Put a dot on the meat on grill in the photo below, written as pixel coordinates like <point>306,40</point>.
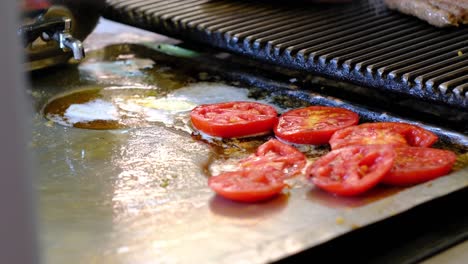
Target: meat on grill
<point>439,13</point>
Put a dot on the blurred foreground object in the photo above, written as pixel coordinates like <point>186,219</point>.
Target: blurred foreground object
<point>53,31</point>
<point>18,241</point>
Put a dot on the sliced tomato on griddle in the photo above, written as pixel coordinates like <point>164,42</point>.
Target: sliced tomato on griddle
<point>260,176</point>
<point>276,154</point>
<point>314,124</point>
<point>251,185</point>
<point>384,133</point>
<point>234,119</point>
<point>415,165</point>
<point>352,170</point>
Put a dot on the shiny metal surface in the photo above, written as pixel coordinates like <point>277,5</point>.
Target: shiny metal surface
<point>139,195</point>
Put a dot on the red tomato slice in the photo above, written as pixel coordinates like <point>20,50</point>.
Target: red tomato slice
<point>247,185</point>
<point>260,176</point>
<point>415,165</point>
<point>314,124</point>
<point>234,119</point>
<point>352,170</point>
<point>277,155</point>
<point>384,133</point>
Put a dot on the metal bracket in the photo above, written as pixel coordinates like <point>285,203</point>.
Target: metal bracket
<point>54,29</point>
<point>67,42</point>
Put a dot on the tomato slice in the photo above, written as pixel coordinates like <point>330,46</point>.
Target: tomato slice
<point>251,185</point>
<point>415,165</point>
<point>234,119</point>
<point>314,124</point>
<point>352,170</point>
<point>277,155</point>
<point>384,133</point>
<point>260,176</point>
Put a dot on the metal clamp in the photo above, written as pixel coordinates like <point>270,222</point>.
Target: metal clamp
<point>66,41</point>
<point>57,30</point>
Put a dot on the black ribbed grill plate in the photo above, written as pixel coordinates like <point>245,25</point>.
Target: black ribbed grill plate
<point>361,42</point>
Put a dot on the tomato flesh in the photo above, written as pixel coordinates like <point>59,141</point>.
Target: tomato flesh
<point>247,185</point>
<point>234,119</point>
<point>352,170</point>
<point>415,165</point>
<point>384,133</point>
<point>278,155</point>
<point>260,176</point>
<point>314,124</point>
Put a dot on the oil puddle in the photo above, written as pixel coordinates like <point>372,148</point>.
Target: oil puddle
<point>124,66</point>
<point>118,107</point>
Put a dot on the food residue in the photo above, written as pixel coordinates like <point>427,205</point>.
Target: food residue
<point>340,220</point>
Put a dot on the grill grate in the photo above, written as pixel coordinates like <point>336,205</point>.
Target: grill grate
<point>362,42</point>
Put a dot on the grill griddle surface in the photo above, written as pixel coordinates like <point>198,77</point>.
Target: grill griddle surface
<point>362,42</point>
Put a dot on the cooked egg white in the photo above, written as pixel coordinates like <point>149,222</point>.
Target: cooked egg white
<point>94,110</point>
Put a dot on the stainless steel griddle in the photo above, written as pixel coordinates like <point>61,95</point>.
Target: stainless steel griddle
<point>139,195</point>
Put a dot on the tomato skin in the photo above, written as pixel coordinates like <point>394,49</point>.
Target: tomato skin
<point>247,185</point>
<point>261,175</point>
<point>234,119</point>
<point>421,138</point>
<point>383,133</point>
<point>314,124</point>
<point>415,165</point>
<point>353,170</point>
<point>281,156</point>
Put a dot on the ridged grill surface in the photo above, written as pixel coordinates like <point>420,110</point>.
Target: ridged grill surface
<point>362,42</point>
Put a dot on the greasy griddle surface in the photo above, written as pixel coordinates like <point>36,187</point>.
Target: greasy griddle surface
<point>139,194</point>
